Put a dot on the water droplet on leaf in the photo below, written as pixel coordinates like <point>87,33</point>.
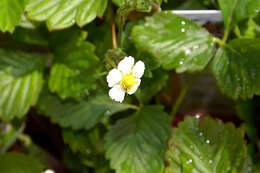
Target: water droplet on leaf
<point>187,51</point>
<point>189,161</point>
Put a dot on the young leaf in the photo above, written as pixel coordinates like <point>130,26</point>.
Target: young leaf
<point>138,5</point>
<point>83,115</point>
<point>206,145</point>
<point>61,14</point>
<point>137,143</point>
<point>177,42</point>
<point>233,11</point>
<point>78,141</point>
<point>18,94</point>
<point>253,7</point>
<point>75,73</point>
<point>17,162</point>
<point>11,13</point>
<point>237,68</point>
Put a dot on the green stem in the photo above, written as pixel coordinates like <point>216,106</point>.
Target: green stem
<point>179,101</point>
<point>12,140</point>
<point>133,107</point>
<point>220,42</point>
<point>225,37</point>
<point>182,95</point>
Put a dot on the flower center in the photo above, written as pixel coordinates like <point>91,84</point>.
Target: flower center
<point>128,81</point>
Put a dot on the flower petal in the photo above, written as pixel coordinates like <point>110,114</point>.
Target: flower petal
<point>113,77</point>
<point>138,69</point>
<point>117,93</point>
<point>135,87</point>
<point>125,65</point>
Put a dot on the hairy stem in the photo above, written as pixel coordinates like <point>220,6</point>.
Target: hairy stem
<point>114,36</point>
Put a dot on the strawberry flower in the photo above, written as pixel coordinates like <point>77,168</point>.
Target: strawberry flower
<point>126,78</point>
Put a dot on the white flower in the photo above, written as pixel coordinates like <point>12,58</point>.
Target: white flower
<point>125,79</point>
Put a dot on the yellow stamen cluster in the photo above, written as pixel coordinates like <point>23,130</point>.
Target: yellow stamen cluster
<point>128,81</point>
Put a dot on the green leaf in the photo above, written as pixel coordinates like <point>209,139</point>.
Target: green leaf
<point>68,75</point>
<point>137,143</point>
<point>64,81</point>
<point>73,162</point>
<point>253,7</point>
<point>11,13</point>
<point>234,11</point>
<point>206,145</point>
<point>17,162</point>
<point>175,41</point>
<point>237,68</point>
<point>18,94</point>
<point>83,115</point>
<point>67,40</point>
<point>78,141</point>
<point>61,14</point>
<point>20,63</point>
<point>246,111</point>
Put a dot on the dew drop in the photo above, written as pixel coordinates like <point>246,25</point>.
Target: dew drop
<point>210,161</point>
<point>201,134</point>
<point>189,161</point>
<point>187,52</point>
<point>182,30</point>
<point>181,62</point>
<point>207,141</point>
<point>183,22</point>
<point>197,116</point>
